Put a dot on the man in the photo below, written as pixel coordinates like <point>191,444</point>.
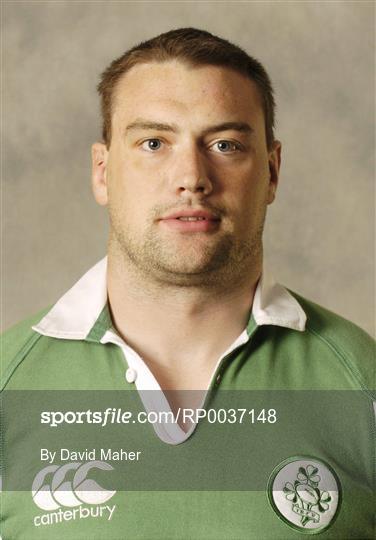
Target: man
<point>182,316</point>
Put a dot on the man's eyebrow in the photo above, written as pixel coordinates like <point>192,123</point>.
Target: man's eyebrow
<point>243,127</point>
<point>141,124</point>
<point>146,124</point>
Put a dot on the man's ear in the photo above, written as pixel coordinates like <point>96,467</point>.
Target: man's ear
<point>274,166</point>
<point>99,157</point>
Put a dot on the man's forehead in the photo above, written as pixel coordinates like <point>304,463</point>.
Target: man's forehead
<point>178,86</point>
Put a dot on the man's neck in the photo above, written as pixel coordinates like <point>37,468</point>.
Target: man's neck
<point>180,332</point>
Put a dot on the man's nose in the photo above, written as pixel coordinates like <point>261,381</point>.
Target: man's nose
<point>192,173</point>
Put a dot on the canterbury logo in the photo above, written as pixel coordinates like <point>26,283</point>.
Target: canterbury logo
<point>61,492</point>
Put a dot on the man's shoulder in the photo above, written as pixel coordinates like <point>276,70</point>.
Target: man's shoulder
<point>22,330</point>
<point>17,341</point>
<point>354,347</point>
<point>332,326</point>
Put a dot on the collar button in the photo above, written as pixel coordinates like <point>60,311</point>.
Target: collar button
<point>131,375</point>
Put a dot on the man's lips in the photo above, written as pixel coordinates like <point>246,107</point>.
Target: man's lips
<point>189,220</point>
<point>203,214</point>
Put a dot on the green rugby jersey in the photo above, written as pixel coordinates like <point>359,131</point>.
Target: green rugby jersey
<point>284,447</point>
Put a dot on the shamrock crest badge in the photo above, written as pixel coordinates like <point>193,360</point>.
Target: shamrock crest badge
<point>305,493</point>
<point>306,496</point>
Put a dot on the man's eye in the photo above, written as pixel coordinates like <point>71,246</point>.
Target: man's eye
<point>152,144</point>
<point>226,146</point>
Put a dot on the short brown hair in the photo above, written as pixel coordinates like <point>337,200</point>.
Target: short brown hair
<point>196,47</point>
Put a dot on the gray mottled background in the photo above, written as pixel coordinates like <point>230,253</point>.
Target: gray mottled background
<point>320,231</point>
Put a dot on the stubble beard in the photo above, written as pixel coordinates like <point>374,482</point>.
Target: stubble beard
<point>221,264</point>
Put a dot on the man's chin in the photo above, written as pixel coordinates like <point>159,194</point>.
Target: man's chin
<point>188,268</point>
<point>189,271</point>
<point>185,263</point>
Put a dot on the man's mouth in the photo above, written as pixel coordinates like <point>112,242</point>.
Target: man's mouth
<point>190,220</point>
<point>192,214</point>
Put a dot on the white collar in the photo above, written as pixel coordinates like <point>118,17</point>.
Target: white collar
<point>77,311</point>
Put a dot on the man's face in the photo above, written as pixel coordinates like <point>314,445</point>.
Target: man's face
<point>188,176</point>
